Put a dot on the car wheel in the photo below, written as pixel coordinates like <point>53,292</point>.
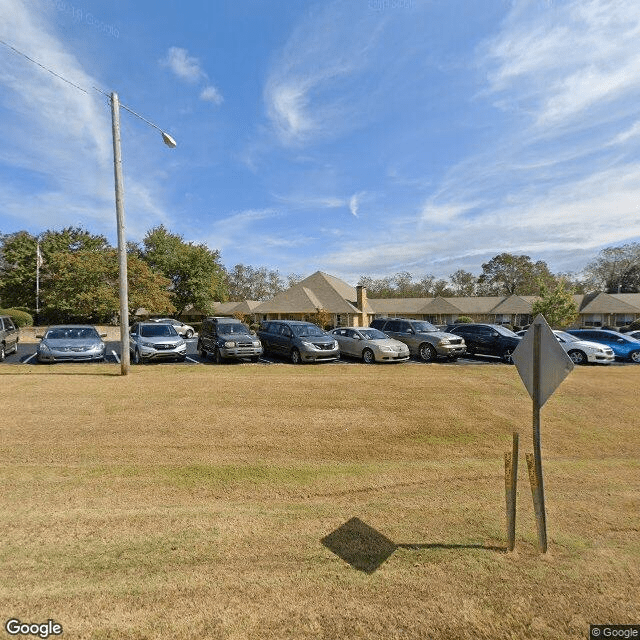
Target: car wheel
<point>295,356</point>
<point>217,356</point>
<point>368,357</point>
<point>3,353</point>
<point>427,352</point>
<point>189,334</point>
<point>506,356</point>
<point>634,356</point>
<point>578,357</point>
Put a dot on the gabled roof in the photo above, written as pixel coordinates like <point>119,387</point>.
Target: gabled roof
<point>225,308</point>
<point>318,291</point>
<point>246,306</point>
<point>512,304</point>
<point>440,305</point>
<point>384,306</point>
<point>606,303</point>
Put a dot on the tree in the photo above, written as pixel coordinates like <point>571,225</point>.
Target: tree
<point>196,275</point>
<point>506,274</point>
<point>556,304</point>
<point>18,263</point>
<point>83,287</point>
<point>464,283</point>
<point>249,283</point>
<point>615,270</point>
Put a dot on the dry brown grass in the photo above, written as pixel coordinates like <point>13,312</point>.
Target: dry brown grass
<point>191,502</point>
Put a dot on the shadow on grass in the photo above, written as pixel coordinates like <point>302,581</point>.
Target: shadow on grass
<point>366,549</point>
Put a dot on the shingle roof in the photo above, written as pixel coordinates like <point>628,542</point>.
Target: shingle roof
<point>318,291</point>
<point>607,303</point>
<point>440,305</point>
<point>513,304</point>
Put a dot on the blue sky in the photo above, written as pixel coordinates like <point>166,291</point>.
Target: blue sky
<point>358,137</point>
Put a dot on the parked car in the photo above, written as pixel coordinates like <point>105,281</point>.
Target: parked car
<point>487,339</point>
<point>423,339</point>
<point>228,339</point>
<point>299,341</point>
<point>71,343</point>
<point>634,334</point>
<point>582,351</point>
<point>370,344</point>
<point>185,330</point>
<point>9,336</point>
<point>624,347</point>
<point>155,341</point>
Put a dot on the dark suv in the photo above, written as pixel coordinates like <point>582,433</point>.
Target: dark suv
<point>487,339</point>
<point>422,338</point>
<point>8,336</point>
<point>228,339</point>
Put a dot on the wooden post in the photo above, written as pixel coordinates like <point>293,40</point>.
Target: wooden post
<point>537,481</point>
<point>511,484</point>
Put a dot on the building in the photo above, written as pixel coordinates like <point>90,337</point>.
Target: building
<point>350,306</point>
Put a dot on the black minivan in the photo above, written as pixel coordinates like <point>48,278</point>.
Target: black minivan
<point>487,339</point>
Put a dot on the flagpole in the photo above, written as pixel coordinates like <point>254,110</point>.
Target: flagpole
<point>38,261</point>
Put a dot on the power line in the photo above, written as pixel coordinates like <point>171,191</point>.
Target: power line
<point>57,75</point>
<point>73,84</point>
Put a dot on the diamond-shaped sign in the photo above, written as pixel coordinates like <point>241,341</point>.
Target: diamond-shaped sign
<point>555,364</point>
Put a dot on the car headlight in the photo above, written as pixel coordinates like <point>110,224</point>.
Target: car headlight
<point>43,348</point>
<point>256,343</point>
<point>387,349</point>
<point>335,344</point>
<point>230,344</point>
<point>444,341</point>
<point>309,345</point>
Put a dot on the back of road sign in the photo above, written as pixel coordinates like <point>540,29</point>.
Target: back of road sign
<point>555,364</point>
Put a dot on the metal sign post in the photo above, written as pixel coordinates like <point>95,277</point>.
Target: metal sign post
<point>542,364</point>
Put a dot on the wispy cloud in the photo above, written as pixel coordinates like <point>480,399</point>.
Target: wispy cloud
<point>315,88</point>
<point>189,69</point>
<point>57,136</point>
<point>183,65</point>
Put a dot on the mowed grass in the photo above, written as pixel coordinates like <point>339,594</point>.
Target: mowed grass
<point>272,502</point>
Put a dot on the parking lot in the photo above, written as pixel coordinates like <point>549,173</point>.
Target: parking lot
<point>27,355</point>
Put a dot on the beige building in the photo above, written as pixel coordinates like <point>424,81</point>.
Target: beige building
<point>349,306</point>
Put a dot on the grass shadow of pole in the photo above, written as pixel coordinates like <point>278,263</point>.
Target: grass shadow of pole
<point>366,549</point>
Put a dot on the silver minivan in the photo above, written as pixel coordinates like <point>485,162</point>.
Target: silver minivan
<point>298,341</point>
<point>9,336</point>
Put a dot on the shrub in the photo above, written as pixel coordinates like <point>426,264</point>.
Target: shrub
<point>463,320</point>
<point>21,318</point>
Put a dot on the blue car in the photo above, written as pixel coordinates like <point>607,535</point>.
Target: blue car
<point>624,347</point>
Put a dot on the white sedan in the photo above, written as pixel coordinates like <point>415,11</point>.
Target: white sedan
<point>582,351</point>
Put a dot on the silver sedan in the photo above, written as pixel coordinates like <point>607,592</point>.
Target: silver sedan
<point>371,345</point>
<point>71,343</point>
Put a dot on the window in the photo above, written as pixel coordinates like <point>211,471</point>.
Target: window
<point>393,325</point>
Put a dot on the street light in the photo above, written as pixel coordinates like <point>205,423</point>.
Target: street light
<point>122,242</point>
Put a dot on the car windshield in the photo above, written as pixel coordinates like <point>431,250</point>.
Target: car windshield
<point>232,328</point>
<point>72,333</point>
<point>373,334</point>
<point>157,331</point>
<point>567,337</point>
<point>306,330</point>
<point>423,327</point>
<point>505,332</point>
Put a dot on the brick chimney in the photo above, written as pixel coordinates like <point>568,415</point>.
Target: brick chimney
<point>361,303</point>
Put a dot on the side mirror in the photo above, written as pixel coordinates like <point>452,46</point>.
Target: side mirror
<point>39,336</point>
<point>103,335</point>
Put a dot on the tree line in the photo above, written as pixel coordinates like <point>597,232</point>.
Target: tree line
<point>78,276</point>
<point>614,270</point>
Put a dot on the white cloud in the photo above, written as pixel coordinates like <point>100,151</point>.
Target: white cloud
<point>211,94</point>
<point>58,136</point>
<point>183,65</point>
<point>314,89</point>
